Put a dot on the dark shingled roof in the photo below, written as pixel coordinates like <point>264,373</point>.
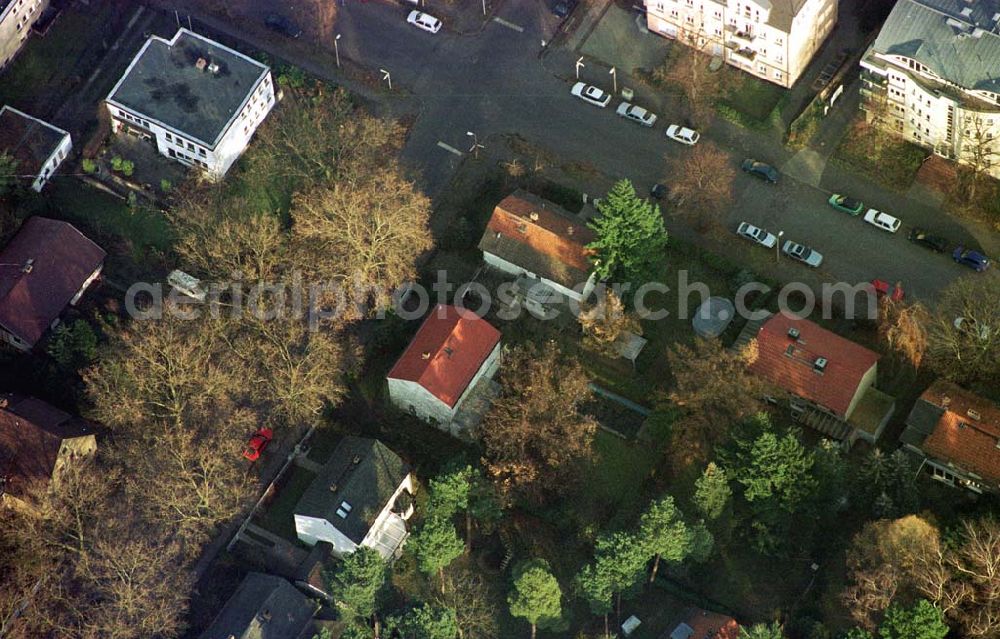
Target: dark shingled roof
<point>263,607</point>
<point>963,48</point>
<point>62,260</point>
<point>164,84</point>
<point>29,140</point>
<point>31,433</point>
<point>921,422</point>
<point>362,472</point>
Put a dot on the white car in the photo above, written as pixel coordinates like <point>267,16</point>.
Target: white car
<point>882,220</point>
<point>682,134</point>
<point>756,235</point>
<point>590,93</point>
<point>424,21</point>
<point>802,253</point>
<point>636,113</point>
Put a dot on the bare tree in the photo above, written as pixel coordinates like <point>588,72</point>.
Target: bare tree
<point>474,602</point>
<point>691,74</point>
<point>714,389</point>
<point>535,435</point>
<point>903,327</point>
<point>964,336</point>
<point>606,321</point>
<point>978,155</point>
<point>702,181</point>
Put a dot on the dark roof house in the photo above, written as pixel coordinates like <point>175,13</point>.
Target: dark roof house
<point>44,269</point>
<point>540,237</point>
<point>958,434</point>
<point>263,607</point>
<point>37,146</point>
<point>354,487</point>
<point>35,438</point>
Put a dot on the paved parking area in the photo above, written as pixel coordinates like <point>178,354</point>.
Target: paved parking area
<point>619,41</point>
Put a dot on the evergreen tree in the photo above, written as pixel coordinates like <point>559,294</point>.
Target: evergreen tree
<point>663,533</point>
<point>357,582</point>
<point>8,173</point>
<point>435,545</point>
<point>424,621</point>
<point>762,631</point>
<point>631,238</point>
<point>923,620</point>
<point>712,492</point>
<point>536,596</point>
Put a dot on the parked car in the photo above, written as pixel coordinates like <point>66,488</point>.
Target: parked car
<point>424,21</point>
<point>591,94</point>
<point>756,235</point>
<point>885,289</point>
<point>636,113</point>
<point>973,259</point>
<point>563,8</point>
<point>763,171</point>
<point>935,243</point>
<point>882,220</point>
<point>802,253</point>
<point>282,25</point>
<point>258,442</point>
<point>683,135</point>
<point>845,204</point>
<point>659,191</point>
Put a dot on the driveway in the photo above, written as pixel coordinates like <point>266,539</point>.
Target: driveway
<point>501,80</point>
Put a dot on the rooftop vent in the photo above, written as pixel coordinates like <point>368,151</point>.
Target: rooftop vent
<point>522,227</point>
<point>973,414</point>
<point>448,351</point>
<point>213,68</point>
<point>342,513</point>
<point>356,460</point>
<point>425,355</point>
<point>201,64</point>
<point>569,230</point>
<point>820,364</point>
<point>533,216</point>
<point>333,488</point>
<point>30,264</point>
<point>790,350</point>
<point>793,333</point>
<point>945,401</point>
<point>346,506</point>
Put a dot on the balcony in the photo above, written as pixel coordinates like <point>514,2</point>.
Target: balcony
<point>742,55</point>
<point>873,79</point>
<point>740,38</point>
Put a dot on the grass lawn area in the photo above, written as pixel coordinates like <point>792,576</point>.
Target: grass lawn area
<point>754,99</point>
<point>278,517</point>
<point>43,61</point>
<point>895,165</point>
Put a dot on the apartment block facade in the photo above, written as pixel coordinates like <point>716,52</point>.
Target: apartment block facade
<point>933,77</point>
<point>771,39</point>
<point>198,101</point>
<point>16,18</point>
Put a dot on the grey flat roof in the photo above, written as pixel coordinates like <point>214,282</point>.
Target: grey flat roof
<point>963,48</point>
<point>164,84</point>
<point>31,141</point>
<point>920,423</point>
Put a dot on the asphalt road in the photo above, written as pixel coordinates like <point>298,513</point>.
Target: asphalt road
<point>500,80</point>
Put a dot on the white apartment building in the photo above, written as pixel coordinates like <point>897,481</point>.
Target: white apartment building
<point>933,76</point>
<point>771,39</point>
<point>197,100</point>
<point>16,18</point>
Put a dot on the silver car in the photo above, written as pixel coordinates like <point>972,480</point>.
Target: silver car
<point>756,235</point>
<point>590,93</point>
<point>802,253</point>
<point>636,113</point>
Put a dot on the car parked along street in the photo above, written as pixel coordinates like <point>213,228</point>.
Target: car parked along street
<point>802,253</point>
<point>760,170</point>
<point>973,259</point>
<point>591,94</point>
<point>935,243</point>
<point>684,135</point>
<point>846,204</point>
<point>424,21</point>
<point>636,113</point>
<point>881,220</point>
<point>756,235</point>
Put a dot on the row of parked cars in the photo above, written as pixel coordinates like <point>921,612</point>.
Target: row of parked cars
<point>600,98</point>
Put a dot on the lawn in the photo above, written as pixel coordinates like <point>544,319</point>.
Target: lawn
<point>893,163</point>
<point>278,516</point>
<point>751,98</point>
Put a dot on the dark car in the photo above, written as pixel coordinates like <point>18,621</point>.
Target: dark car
<point>563,8</point>
<point>659,191</point>
<point>282,25</point>
<point>765,172</point>
<point>935,243</point>
<point>973,259</point>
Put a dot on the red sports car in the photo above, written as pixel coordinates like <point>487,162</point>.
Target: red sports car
<point>258,442</point>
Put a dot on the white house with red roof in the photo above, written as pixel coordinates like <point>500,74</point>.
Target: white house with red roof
<point>45,268</point>
<point>829,380</point>
<point>956,433</point>
<point>448,365</point>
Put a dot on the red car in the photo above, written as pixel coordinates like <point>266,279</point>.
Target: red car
<point>884,289</point>
<point>258,442</point>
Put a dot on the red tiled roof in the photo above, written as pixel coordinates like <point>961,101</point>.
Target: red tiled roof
<point>31,433</point>
<point>789,363</point>
<point>968,432</point>
<point>539,236</point>
<point>447,352</point>
<point>711,625</point>
<point>62,260</point>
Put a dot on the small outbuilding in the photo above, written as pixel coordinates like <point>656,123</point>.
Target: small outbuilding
<point>713,317</point>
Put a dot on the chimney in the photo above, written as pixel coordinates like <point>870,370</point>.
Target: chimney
<point>820,364</point>
<point>533,216</point>
<point>201,64</point>
<point>213,68</point>
<point>333,488</point>
<point>448,351</point>
<point>974,414</point>
<point>425,355</point>
<point>356,460</point>
<point>945,401</point>
<point>30,264</point>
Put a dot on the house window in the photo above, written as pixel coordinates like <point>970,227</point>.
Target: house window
<point>190,146</point>
<point>943,475</point>
<point>777,75</point>
<point>170,138</point>
<point>201,151</point>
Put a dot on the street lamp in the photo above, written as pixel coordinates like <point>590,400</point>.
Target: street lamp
<point>777,247</point>
<point>336,49</point>
<point>475,144</point>
<point>484,7</point>
<point>387,77</point>
<point>579,65</point>
<point>614,79</point>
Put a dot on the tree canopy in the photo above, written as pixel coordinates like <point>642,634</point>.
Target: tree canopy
<point>535,594</point>
<point>631,238</point>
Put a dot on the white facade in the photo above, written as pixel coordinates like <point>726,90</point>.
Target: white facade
<point>413,398</point>
<point>216,156</point>
<point>772,41</point>
<point>386,535</point>
<point>16,19</point>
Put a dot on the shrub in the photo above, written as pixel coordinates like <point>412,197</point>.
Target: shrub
<point>127,168</point>
<point>166,185</point>
<point>89,166</point>
<point>116,163</point>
